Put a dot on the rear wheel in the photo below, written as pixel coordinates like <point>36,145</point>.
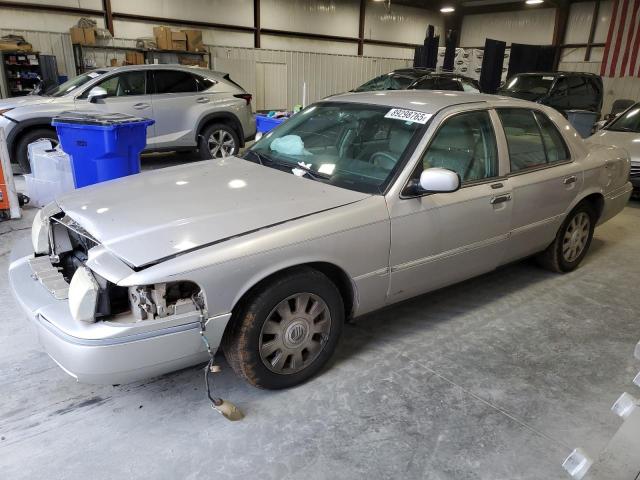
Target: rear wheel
<point>572,241</point>
<point>22,147</point>
<point>286,331</point>
<point>218,141</point>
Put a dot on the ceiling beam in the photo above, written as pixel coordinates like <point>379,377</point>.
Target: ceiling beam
<point>52,8</point>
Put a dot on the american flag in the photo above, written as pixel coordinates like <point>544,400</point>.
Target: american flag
<point>622,49</point>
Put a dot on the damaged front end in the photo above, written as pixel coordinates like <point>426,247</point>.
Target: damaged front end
<point>60,264</point>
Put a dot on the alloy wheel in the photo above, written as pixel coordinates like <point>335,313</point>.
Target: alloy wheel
<point>221,144</point>
<point>576,237</point>
<point>294,333</point>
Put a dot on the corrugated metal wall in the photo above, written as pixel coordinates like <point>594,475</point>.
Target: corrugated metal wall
<point>324,74</point>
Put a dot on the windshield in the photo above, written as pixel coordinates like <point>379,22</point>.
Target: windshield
<point>352,146</point>
<point>388,81</point>
<point>528,87</point>
<point>628,121</point>
<point>74,83</point>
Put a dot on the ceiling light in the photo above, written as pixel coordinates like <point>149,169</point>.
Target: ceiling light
<point>451,9</point>
<point>534,2</point>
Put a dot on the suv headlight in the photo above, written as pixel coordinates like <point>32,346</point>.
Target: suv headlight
<point>83,295</point>
<point>40,233</point>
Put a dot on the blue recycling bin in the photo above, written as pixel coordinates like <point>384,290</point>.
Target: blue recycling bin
<point>265,124</point>
<point>102,146</point>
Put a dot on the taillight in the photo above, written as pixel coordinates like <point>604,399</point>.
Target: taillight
<point>245,96</point>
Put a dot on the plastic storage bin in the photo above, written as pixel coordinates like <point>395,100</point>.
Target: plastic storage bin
<point>102,146</point>
<point>51,173</point>
<point>265,124</point>
<point>582,121</point>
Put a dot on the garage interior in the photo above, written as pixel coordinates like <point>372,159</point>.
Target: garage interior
<point>511,374</point>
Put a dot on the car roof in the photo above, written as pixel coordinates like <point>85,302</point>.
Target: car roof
<point>426,101</point>
<point>561,74</point>
<point>163,66</point>
<point>429,72</point>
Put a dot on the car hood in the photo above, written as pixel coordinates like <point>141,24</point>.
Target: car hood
<point>155,215</point>
<point>27,100</point>
<point>628,140</point>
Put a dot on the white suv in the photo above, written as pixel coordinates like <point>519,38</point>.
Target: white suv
<point>193,108</point>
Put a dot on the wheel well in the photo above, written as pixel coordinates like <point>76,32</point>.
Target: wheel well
<point>226,119</point>
<point>338,276</point>
<point>25,131</point>
<point>596,200</point>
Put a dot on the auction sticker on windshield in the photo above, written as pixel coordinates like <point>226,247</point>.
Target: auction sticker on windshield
<point>408,115</point>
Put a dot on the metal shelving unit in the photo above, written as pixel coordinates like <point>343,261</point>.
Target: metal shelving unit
<point>20,73</point>
<point>150,56</point>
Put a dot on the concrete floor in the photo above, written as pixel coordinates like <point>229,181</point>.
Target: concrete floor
<point>499,377</point>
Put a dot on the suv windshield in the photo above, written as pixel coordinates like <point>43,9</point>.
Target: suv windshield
<point>74,83</point>
<point>527,87</point>
<point>628,121</point>
<point>389,81</point>
<point>352,146</point>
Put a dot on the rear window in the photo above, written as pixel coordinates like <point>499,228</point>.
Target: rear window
<point>175,81</point>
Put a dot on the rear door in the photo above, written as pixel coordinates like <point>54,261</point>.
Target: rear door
<point>179,100</point>
<point>543,179</point>
<point>127,92</point>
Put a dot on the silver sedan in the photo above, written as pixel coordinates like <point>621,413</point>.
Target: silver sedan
<point>357,202</point>
<point>624,132</point>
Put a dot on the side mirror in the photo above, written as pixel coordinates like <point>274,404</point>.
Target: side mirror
<point>97,93</point>
<point>439,180</point>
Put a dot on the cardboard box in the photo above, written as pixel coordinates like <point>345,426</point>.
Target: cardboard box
<point>194,40</point>
<point>89,36</point>
<point>179,40</point>
<point>83,36</point>
<point>14,47</point>
<point>77,35</point>
<point>134,58</point>
<point>113,62</point>
<point>163,37</point>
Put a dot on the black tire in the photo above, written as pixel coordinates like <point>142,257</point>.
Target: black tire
<point>242,340</point>
<point>219,132</point>
<point>554,258</point>
<point>22,152</point>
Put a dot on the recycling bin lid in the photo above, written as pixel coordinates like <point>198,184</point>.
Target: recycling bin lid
<point>97,118</point>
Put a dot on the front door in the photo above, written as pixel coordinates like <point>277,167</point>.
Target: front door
<point>127,92</point>
<point>440,239</point>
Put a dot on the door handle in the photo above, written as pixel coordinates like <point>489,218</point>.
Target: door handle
<point>570,180</point>
<point>141,106</point>
<point>500,199</point>
<point>202,100</point>
<point>495,186</point>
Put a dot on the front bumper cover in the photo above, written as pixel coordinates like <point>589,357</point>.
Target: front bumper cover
<point>104,353</point>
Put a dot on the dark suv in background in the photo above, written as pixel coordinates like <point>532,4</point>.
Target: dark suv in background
<point>563,91</point>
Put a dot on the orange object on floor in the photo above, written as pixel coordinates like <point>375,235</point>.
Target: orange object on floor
<point>9,207</point>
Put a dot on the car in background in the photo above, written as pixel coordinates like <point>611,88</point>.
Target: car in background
<point>357,202</point>
<point>624,132</point>
<point>193,108</point>
<point>563,91</point>
<point>420,79</point>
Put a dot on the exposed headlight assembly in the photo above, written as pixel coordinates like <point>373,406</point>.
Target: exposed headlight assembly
<point>83,295</point>
<point>40,234</point>
<point>40,228</point>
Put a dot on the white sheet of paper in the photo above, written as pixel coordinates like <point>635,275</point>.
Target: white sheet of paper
<point>408,115</point>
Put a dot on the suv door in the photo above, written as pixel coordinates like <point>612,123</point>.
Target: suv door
<point>127,92</point>
<point>439,239</point>
<point>543,179</point>
<point>179,101</point>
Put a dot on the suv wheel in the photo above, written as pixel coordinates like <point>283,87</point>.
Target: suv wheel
<point>22,147</point>
<point>218,141</point>
<point>286,331</point>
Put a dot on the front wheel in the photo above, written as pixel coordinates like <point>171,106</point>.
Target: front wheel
<point>286,331</point>
<point>572,241</point>
<point>218,141</point>
<point>22,147</point>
